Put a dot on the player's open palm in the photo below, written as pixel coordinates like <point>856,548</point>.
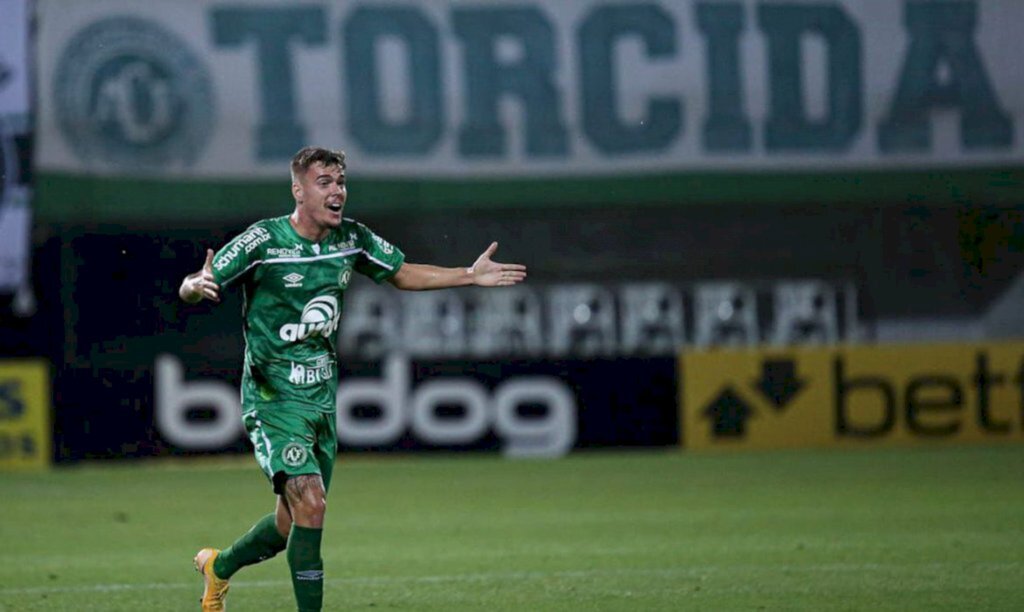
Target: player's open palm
<point>201,285</point>
<point>488,273</point>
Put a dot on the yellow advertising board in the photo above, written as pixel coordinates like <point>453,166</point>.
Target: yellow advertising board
<point>25,432</point>
<point>849,396</point>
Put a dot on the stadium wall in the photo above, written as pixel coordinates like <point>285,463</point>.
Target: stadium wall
<point>512,104</point>
<point>589,357</point>
<point>655,164</point>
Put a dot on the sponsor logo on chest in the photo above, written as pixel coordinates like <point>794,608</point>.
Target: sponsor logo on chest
<point>246,242</point>
<point>295,251</point>
<point>319,317</point>
<point>303,374</point>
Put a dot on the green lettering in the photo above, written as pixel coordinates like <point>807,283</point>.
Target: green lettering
<point>789,128</point>
<point>941,35</point>
<point>602,121</point>
<point>421,129</point>
<point>530,78</point>
<point>278,131</point>
<point>726,127</point>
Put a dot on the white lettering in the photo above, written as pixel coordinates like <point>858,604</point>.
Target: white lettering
<point>651,318</point>
<point>549,435</point>
<point>386,247</point>
<point>293,332</point>
<point>175,398</point>
<point>294,252</point>
<point>387,395</point>
<point>470,395</point>
<point>320,315</point>
<point>310,375</point>
<point>247,242</point>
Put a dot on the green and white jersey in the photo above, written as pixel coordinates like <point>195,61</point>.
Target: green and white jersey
<point>292,292</point>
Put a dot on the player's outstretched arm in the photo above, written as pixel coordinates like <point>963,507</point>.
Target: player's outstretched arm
<point>200,285</point>
<point>484,273</point>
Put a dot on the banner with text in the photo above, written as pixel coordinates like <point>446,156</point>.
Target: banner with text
<point>25,431</point>
<point>179,403</point>
<point>434,89</point>
<point>852,396</point>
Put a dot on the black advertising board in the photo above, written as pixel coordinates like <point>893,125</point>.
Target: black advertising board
<point>518,407</point>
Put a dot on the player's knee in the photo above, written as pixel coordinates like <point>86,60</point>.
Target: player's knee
<point>318,506</point>
<point>309,513</point>
<point>306,500</point>
<point>310,504</point>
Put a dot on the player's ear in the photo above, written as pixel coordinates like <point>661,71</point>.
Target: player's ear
<point>297,191</point>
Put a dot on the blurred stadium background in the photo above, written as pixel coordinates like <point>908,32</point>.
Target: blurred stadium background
<point>750,225</point>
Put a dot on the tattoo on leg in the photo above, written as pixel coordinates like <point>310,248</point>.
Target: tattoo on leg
<point>298,487</point>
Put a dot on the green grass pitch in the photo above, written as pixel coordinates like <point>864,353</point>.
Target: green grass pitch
<point>924,529</point>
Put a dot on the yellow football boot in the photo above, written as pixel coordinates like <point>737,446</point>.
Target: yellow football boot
<point>214,589</point>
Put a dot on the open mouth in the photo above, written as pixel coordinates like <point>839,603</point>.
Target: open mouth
<point>334,206</point>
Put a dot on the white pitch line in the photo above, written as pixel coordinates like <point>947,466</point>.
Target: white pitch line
<point>695,570</point>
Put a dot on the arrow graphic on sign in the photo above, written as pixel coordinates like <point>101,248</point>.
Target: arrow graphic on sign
<point>728,414</point>
<point>779,382</point>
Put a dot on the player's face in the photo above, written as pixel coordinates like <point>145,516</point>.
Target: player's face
<point>321,194</point>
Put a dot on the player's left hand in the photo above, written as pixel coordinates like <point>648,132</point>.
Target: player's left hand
<point>487,273</point>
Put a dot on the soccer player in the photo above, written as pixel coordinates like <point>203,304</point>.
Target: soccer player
<point>293,271</point>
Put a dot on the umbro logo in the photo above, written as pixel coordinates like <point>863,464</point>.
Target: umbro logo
<point>293,280</point>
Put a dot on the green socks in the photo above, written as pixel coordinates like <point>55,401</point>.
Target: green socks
<point>307,567</point>
<point>259,543</point>
<point>263,542</point>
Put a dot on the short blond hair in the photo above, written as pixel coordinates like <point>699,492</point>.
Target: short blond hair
<point>307,156</point>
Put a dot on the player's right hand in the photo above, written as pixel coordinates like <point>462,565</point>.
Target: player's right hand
<point>201,285</point>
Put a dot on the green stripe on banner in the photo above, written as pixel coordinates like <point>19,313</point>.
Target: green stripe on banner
<point>66,198</point>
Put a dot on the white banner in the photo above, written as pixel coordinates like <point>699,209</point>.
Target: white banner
<point>484,88</point>
<point>15,212</point>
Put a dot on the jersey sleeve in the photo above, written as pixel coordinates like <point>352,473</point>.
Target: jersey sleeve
<point>239,255</point>
<point>380,259</point>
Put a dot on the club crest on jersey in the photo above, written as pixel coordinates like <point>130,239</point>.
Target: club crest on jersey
<point>344,277</point>
<point>321,315</point>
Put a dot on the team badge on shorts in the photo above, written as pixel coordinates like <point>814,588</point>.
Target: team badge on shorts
<point>293,454</point>
<point>128,91</point>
